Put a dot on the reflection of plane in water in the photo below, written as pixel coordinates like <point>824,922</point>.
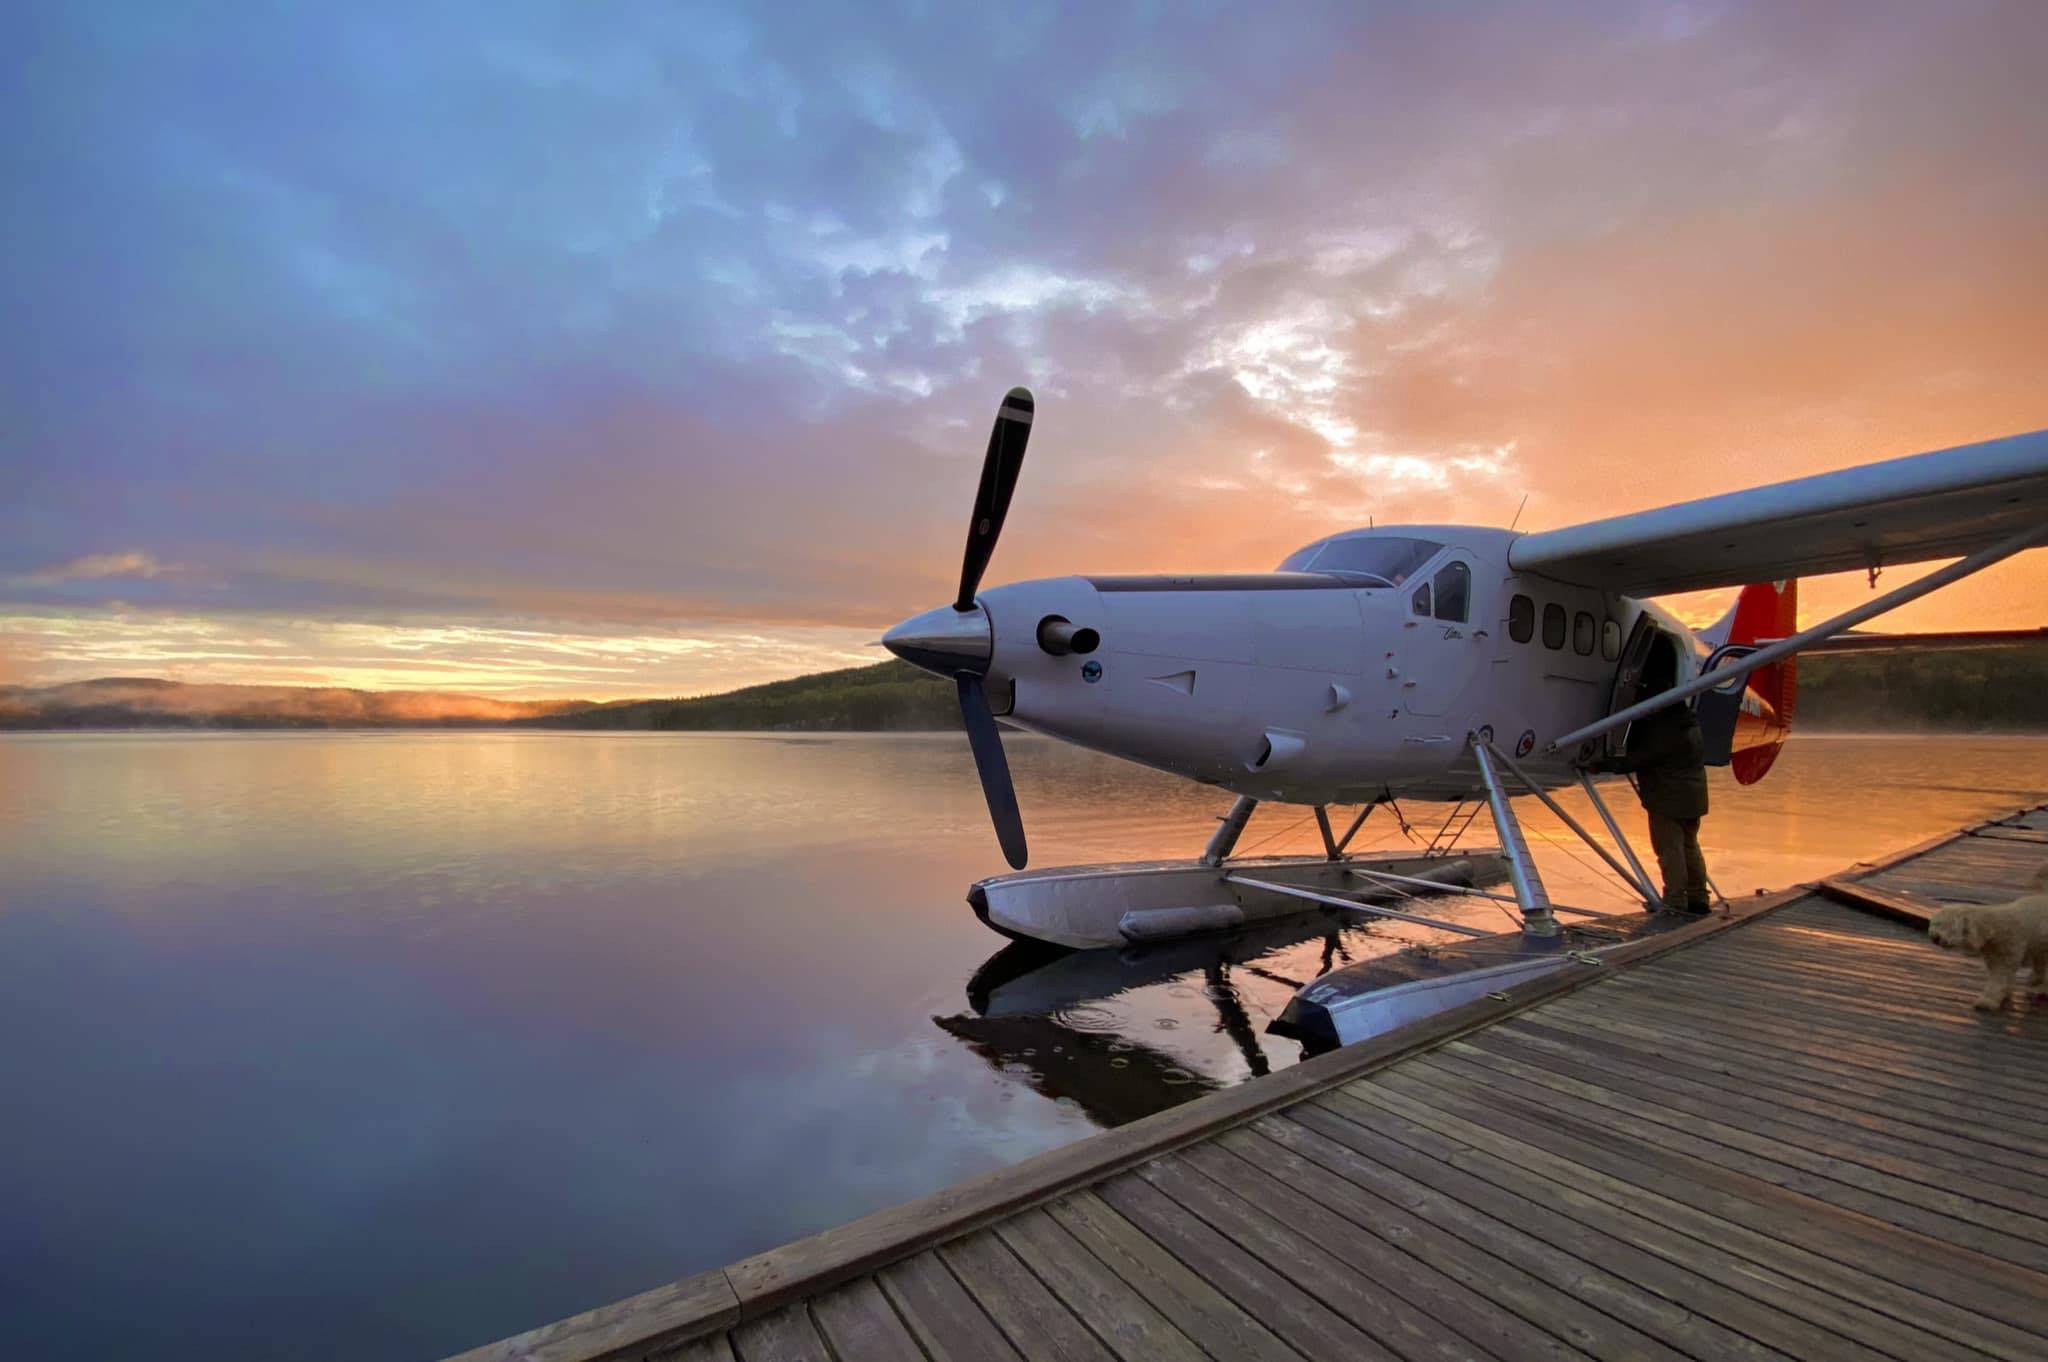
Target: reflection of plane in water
<point>1028,977</point>
<point>1027,996</point>
<point>1112,1086</point>
<point>1029,1000</point>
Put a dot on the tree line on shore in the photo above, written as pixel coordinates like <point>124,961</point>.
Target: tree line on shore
<point>1989,691</point>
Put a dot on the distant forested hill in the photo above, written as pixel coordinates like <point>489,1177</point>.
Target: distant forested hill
<point>1955,691</point>
<point>148,702</point>
<point>889,696</point>
<point>1991,690</point>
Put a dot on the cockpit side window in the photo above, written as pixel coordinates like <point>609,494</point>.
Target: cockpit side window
<point>1453,591</point>
<point>1422,600</point>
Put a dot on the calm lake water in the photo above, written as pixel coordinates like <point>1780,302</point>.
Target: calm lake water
<point>386,1045</point>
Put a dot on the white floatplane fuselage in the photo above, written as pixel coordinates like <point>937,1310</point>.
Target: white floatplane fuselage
<point>1354,673</point>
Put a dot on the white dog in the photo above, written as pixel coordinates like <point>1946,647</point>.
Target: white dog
<point>2009,936</point>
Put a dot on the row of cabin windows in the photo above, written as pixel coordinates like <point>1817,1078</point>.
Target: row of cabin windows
<point>1584,628</point>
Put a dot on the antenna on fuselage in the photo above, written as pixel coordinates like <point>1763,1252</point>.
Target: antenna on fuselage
<point>1518,511</point>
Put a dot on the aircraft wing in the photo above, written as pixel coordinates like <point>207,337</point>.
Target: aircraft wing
<point>1940,505</point>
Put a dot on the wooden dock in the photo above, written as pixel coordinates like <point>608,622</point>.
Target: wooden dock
<point>1782,1134</point>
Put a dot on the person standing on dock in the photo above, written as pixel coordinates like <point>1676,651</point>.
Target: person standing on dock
<point>1668,758</point>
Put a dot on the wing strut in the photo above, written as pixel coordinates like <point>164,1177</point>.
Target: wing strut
<point>1848,619</point>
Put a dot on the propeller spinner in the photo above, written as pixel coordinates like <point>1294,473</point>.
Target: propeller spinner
<point>958,640</point>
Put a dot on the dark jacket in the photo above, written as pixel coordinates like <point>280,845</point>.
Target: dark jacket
<point>1669,761</point>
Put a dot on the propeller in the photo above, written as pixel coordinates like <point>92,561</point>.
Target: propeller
<point>986,741</point>
<point>999,470</point>
<point>960,642</point>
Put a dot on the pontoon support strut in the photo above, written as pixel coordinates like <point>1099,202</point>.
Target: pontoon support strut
<point>1331,851</point>
<point>1537,919</point>
<point>1356,824</point>
<point>1650,893</point>
<point>1224,839</point>
<point>1638,881</point>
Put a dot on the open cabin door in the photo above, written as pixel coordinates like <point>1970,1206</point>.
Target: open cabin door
<point>1628,675</point>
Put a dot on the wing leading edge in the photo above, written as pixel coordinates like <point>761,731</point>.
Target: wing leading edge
<point>1939,505</point>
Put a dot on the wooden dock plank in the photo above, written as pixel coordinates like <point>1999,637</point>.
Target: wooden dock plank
<point>1128,1324</point>
<point>1904,1301</point>
<point>1768,990</point>
<point>1778,1063</point>
<point>1669,1064</point>
<point>1829,1062</point>
<point>1026,1310</point>
<point>1905,908</point>
<point>1457,1297</point>
<point>1957,1080</point>
<point>1779,1135</point>
<point>1209,1316</point>
<point>1715,1204</point>
<point>1386,1307</point>
<point>1780,1308</point>
<point>1593,1311</point>
<point>940,1314</point>
<point>785,1335</point>
<point>710,1348</point>
<point>1945,1060</point>
<point>1847,1185</point>
<point>1569,1218</point>
<point>860,1325</point>
<point>1499,1064</point>
<point>1303,1321</point>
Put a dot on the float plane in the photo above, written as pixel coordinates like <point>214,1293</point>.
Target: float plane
<point>1457,663</point>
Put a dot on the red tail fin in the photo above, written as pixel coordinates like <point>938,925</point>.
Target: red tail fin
<point>1764,611</point>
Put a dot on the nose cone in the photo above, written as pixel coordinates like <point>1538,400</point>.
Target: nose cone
<point>945,641</point>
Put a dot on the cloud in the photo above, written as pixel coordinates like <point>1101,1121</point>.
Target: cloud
<point>692,320</point>
<point>99,567</point>
<point>505,657</point>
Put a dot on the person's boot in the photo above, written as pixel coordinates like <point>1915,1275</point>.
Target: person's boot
<point>1698,906</point>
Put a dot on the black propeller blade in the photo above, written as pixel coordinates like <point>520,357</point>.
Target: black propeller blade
<point>999,469</point>
<point>994,768</point>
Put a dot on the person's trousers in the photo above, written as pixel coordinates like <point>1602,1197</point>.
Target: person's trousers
<point>1677,844</point>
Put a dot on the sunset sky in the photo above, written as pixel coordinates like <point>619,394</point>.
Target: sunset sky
<point>651,348</point>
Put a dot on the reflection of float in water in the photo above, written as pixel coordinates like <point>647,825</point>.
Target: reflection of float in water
<point>1121,1033</point>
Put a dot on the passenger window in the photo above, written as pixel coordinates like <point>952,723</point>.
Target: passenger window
<point>1453,591</point>
<point>1553,625</point>
<point>1422,601</point>
<point>1610,640</point>
<point>1583,630</point>
<point>1521,619</point>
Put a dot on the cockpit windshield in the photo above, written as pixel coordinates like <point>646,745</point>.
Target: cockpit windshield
<point>1387,558</point>
<point>1299,560</point>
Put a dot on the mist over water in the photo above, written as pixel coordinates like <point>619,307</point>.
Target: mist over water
<point>388,1044</point>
